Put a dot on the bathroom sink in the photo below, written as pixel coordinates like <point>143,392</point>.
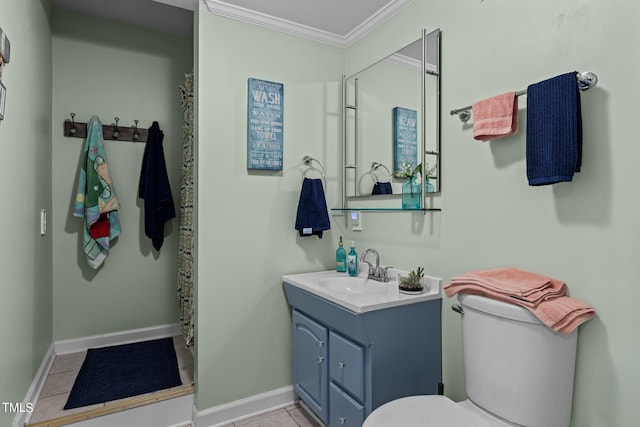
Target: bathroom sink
<point>360,294</point>
<point>351,285</point>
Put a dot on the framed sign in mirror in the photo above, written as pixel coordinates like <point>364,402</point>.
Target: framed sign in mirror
<point>405,138</point>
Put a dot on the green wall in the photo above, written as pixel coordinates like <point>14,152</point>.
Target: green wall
<point>25,185</point>
<point>246,219</point>
<point>110,69</point>
<point>582,232</point>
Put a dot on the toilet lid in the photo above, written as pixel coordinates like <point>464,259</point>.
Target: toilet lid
<point>423,411</point>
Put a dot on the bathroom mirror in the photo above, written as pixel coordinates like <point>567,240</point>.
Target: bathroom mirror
<point>391,115</point>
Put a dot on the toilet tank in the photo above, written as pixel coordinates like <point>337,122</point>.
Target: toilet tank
<point>515,367</point>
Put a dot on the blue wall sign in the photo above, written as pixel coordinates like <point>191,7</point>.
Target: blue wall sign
<point>405,138</point>
<point>264,125</point>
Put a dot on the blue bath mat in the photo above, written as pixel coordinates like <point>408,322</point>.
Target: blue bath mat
<point>120,371</point>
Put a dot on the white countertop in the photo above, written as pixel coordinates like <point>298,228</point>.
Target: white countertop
<point>369,294</point>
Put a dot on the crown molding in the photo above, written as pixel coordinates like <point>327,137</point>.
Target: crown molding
<point>375,20</point>
<point>227,10</point>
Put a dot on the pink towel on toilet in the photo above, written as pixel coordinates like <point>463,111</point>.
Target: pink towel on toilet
<point>528,288</point>
<point>495,117</point>
<point>543,296</point>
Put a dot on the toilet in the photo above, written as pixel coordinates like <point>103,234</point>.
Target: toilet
<point>518,373</point>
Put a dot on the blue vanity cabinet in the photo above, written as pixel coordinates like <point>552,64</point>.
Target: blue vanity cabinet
<point>346,364</point>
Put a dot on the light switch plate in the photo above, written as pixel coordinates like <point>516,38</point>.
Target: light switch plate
<point>356,220</point>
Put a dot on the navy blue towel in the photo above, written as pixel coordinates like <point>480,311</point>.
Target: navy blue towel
<point>312,218</point>
<point>554,130</point>
<point>382,188</point>
<point>154,188</point>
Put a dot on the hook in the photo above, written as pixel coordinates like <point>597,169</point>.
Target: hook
<point>73,129</point>
<point>116,132</point>
<point>136,134</point>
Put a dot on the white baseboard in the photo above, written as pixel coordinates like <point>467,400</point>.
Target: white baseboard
<point>244,408</point>
<point>36,386</point>
<point>116,338</point>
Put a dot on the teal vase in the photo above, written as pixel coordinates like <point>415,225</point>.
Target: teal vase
<point>411,194</point>
<point>429,187</point>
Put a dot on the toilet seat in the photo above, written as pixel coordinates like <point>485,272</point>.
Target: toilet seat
<point>424,411</point>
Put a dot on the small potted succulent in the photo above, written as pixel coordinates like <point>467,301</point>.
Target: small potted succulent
<point>411,283</point>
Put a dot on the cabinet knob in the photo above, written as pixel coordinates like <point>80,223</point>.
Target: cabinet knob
<point>320,343</point>
<point>320,359</point>
<point>341,365</point>
<point>342,420</point>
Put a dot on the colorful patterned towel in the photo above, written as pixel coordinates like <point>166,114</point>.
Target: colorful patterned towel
<point>96,200</point>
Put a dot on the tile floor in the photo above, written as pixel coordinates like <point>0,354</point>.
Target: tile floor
<point>291,416</point>
<point>64,370</point>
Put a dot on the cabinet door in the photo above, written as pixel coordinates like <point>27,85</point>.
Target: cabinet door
<point>310,376</point>
<point>347,364</point>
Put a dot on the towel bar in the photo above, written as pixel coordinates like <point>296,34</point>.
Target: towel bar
<point>586,80</point>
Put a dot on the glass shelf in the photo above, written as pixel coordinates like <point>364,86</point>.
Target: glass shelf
<point>385,210</point>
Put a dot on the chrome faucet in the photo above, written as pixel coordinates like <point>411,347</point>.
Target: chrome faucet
<point>376,273</point>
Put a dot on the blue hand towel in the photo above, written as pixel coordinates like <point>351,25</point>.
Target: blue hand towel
<point>312,218</point>
<point>554,130</point>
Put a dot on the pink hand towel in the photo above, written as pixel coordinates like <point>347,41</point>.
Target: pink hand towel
<point>495,117</point>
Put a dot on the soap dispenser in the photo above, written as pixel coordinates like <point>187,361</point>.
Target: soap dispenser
<point>352,260</point>
<point>341,258</point>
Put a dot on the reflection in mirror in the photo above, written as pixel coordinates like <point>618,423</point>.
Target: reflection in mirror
<point>385,118</point>
<point>381,177</point>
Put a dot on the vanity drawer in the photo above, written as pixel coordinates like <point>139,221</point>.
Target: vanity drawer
<point>344,410</point>
<point>347,364</point>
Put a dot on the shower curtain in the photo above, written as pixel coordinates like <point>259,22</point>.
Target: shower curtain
<point>185,278</point>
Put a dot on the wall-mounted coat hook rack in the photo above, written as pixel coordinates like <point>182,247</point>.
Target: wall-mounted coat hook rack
<point>113,132</point>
